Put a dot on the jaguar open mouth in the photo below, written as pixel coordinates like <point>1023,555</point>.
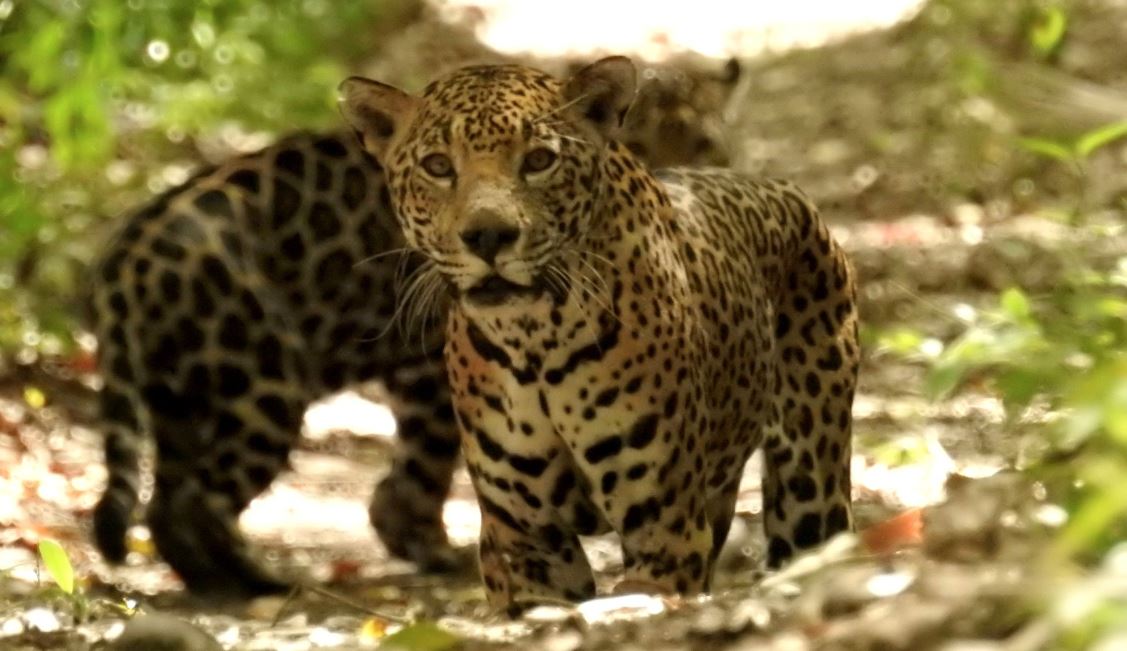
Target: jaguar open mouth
<point>495,290</point>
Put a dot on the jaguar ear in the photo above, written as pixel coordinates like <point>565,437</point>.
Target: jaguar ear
<point>601,93</point>
<point>376,111</point>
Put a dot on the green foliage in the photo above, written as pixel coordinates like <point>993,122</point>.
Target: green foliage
<point>1048,148</point>
<point>1065,351</point>
<point>1008,343</point>
<point>898,341</point>
<point>1076,150</point>
<point>91,85</point>
<point>1068,351</point>
<point>58,566</point>
<point>182,65</point>
<point>1098,138</point>
<point>57,563</point>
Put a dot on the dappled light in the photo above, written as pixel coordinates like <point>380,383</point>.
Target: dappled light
<point>656,30</point>
<point>969,157</point>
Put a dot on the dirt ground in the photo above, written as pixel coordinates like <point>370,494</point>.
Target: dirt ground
<point>939,212</point>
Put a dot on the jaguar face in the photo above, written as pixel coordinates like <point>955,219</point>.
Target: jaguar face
<point>495,170</point>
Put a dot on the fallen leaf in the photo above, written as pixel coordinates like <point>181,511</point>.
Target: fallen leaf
<point>424,636</point>
<point>903,530</point>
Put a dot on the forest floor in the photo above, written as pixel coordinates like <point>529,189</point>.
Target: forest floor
<point>939,210</point>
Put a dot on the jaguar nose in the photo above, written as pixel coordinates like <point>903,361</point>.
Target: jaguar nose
<point>486,241</point>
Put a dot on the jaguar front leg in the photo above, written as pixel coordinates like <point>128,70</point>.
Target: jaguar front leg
<point>530,550</point>
<point>655,498</point>
<point>526,563</point>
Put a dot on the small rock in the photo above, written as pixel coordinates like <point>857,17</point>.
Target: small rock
<point>156,632</point>
<point>621,607</point>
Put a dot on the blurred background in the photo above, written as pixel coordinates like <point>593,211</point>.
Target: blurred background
<point>971,156</point>
<point>883,109</point>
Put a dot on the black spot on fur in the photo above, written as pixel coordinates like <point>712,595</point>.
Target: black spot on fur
<point>233,333</point>
<point>214,202</point>
<point>215,271</point>
<point>608,447</point>
<point>808,531</point>
<point>565,482</point>
<point>643,432</point>
<point>837,520</point>
<point>331,147</point>
<point>778,551</point>
<point>782,325</point>
<point>287,201</point>
<point>292,161</point>
<point>170,287</point>
<point>531,466</point>
<point>324,222</point>
<point>803,487</point>
<point>233,381</point>
<point>246,179</point>
<point>635,518</point>
<point>277,410</point>
<point>355,188</point>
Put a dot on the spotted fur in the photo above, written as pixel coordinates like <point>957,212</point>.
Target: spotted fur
<point>618,343</point>
<point>226,306</point>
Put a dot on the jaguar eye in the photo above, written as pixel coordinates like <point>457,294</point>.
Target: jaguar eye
<point>537,160</point>
<point>439,166</point>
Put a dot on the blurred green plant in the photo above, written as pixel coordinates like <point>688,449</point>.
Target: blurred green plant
<point>67,586</point>
<point>97,93</point>
<point>1075,151</point>
<point>1067,352</point>
<point>1047,30</point>
<point>1061,358</point>
<point>57,563</point>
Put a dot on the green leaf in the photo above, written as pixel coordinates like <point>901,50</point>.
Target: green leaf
<point>45,46</point>
<point>57,564</point>
<point>1047,148</point>
<point>1100,137</point>
<point>1047,34</point>
<point>1020,385</point>
<point>943,379</point>
<point>424,636</point>
<point>901,341</point>
<point>1098,512</point>
<point>1015,304</point>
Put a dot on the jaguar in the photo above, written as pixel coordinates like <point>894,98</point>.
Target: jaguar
<point>226,306</point>
<point>618,341</point>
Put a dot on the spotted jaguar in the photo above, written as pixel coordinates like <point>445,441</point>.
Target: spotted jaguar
<point>618,341</point>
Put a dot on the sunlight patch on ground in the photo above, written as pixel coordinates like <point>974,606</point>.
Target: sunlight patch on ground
<point>294,516</point>
<point>348,412</point>
<point>920,481</point>
<point>655,29</point>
